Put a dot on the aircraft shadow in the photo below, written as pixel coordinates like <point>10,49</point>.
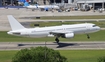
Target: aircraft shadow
<point>34,44</point>
<point>60,45</point>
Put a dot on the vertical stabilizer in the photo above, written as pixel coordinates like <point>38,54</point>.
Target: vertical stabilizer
<point>15,25</point>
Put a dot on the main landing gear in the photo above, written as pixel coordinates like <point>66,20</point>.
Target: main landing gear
<point>88,36</point>
<point>57,40</point>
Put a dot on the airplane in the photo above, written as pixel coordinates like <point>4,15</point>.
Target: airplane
<point>63,31</point>
<point>36,6</point>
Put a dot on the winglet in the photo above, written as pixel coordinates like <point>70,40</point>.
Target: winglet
<point>15,25</point>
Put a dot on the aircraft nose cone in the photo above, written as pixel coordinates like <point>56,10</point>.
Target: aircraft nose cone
<point>98,28</point>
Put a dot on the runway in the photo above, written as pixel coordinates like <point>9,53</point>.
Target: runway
<point>95,45</point>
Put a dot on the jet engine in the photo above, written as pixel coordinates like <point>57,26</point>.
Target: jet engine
<point>50,35</point>
<point>68,35</point>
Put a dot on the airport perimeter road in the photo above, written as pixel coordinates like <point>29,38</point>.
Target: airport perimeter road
<point>95,45</point>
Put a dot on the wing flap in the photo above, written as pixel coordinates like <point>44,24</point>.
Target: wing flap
<point>60,32</point>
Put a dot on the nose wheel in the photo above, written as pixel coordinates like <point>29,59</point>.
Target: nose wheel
<point>57,40</point>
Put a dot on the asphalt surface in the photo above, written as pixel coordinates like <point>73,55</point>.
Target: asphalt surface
<point>93,45</point>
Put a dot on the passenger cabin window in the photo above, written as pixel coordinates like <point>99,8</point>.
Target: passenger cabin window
<point>94,25</point>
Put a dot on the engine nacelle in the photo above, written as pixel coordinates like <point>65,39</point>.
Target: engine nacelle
<point>69,35</point>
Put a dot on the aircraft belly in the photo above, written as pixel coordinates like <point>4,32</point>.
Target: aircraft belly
<point>39,34</point>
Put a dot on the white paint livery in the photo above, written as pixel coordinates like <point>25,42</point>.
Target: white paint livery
<point>64,31</point>
<point>42,7</point>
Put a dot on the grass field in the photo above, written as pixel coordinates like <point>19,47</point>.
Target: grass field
<point>72,55</point>
<point>74,17</point>
<point>98,36</point>
<point>83,55</point>
<point>6,56</point>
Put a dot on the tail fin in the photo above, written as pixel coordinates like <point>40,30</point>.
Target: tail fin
<point>15,25</point>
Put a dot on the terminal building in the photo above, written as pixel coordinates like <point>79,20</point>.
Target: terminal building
<point>4,2</point>
<point>78,3</point>
<point>92,3</point>
<point>12,2</point>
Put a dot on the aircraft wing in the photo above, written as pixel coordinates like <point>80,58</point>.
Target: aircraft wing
<point>62,33</point>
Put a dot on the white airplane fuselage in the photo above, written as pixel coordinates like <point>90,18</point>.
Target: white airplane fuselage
<point>42,6</point>
<point>63,31</point>
<point>70,30</point>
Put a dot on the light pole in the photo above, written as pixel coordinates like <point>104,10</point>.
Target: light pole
<point>54,2</point>
<point>103,4</point>
<point>12,2</point>
<point>45,49</point>
<point>85,4</point>
<point>93,7</point>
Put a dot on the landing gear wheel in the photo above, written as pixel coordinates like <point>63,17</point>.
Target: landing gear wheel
<point>57,40</point>
<point>88,36</point>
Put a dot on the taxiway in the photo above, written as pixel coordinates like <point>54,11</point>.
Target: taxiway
<point>93,45</point>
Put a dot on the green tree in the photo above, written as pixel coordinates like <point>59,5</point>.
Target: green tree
<point>101,59</point>
<point>38,54</point>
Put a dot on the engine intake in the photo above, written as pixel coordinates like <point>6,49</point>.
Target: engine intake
<point>69,35</point>
<point>50,35</point>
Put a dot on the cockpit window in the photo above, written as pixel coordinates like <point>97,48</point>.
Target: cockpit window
<point>94,25</point>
